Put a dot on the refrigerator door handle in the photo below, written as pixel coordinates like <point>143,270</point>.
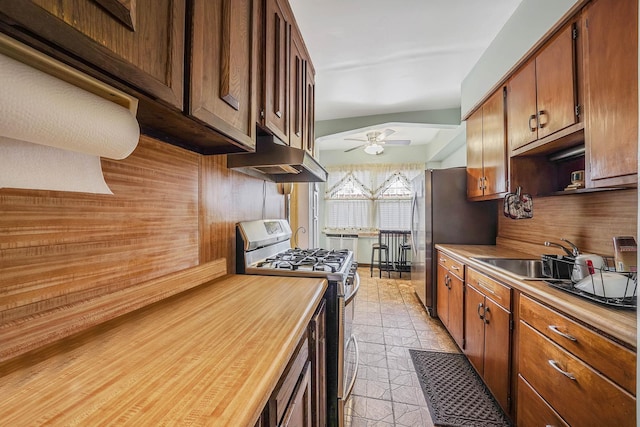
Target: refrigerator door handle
<point>414,228</point>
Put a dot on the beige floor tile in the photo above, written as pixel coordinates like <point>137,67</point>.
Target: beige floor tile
<point>389,320</point>
<point>375,412</point>
<point>411,415</point>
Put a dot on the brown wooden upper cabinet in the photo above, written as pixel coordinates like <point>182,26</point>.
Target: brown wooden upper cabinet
<point>486,150</point>
<point>289,91</point>
<point>139,41</point>
<point>310,110</point>
<point>224,64</point>
<point>297,75</point>
<point>611,86</point>
<point>276,78</point>
<point>542,95</point>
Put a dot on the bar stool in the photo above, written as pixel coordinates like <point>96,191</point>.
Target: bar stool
<point>380,248</point>
<point>403,264</point>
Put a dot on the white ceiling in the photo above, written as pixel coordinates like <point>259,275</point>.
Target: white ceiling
<point>380,56</point>
<point>418,134</point>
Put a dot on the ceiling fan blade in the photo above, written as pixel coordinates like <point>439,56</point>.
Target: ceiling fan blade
<point>385,133</point>
<point>355,148</point>
<point>355,139</point>
<point>397,141</point>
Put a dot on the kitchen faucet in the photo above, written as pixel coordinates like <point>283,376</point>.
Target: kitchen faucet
<point>567,251</point>
<point>574,248</point>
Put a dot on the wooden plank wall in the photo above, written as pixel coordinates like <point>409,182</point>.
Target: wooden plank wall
<point>590,220</point>
<point>228,197</point>
<point>59,248</point>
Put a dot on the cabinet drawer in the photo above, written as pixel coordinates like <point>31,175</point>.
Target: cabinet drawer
<point>613,360</point>
<point>454,266</point>
<point>578,393</point>
<point>533,410</point>
<point>292,374</point>
<point>498,292</point>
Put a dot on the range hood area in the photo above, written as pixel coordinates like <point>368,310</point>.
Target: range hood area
<point>277,162</point>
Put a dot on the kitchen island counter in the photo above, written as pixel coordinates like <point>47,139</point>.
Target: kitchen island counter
<point>616,323</point>
<point>209,356</point>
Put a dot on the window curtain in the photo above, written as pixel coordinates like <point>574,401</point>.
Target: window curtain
<point>355,199</point>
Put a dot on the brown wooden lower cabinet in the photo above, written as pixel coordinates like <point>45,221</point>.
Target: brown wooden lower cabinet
<point>299,399</point>
<point>565,381</point>
<point>533,410</point>
<point>450,296</point>
<point>488,333</point>
<point>318,353</point>
<point>298,412</point>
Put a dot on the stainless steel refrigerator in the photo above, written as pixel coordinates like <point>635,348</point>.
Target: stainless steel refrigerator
<point>440,213</point>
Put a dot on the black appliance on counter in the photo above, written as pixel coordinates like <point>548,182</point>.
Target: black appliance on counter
<point>441,213</point>
<point>263,247</point>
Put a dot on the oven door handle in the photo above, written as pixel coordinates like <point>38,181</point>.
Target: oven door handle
<point>349,389</point>
<point>356,286</point>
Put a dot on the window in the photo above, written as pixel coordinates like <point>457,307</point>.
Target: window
<point>367,198</point>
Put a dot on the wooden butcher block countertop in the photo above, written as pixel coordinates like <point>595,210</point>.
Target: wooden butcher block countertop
<point>208,356</point>
<point>617,323</point>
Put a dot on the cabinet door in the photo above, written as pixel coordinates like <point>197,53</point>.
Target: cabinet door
<point>223,67</point>
<point>297,73</point>
<point>442,295</point>
<point>456,309</point>
<point>533,411</point>
<point>474,324</point>
<point>310,111</point>
<point>556,95</point>
<point>141,42</point>
<point>611,74</point>
<point>298,413</point>
<point>318,355</point>
<point>474,155</point>
<point>494,150</point>
<point>276,89</point>
<point>497,340</point>
<point>521,106</point>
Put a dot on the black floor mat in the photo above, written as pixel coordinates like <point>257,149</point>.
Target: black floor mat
<point>454,392</point>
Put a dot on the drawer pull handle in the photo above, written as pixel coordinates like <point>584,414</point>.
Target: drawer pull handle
<point>454,267</point>
<point>562,334</point>
<point>486,288</point>
<point>443,260</point>
<point>555,366</point>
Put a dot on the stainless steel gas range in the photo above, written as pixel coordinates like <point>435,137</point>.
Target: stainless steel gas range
<point>263,247</point>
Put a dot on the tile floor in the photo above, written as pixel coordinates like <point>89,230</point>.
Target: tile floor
<point>389,320</point>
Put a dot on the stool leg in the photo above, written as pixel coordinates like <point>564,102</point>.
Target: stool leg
<point>371,264</point>
<point>380,264</point>
<point>386,262</point>
<point>389,265</point>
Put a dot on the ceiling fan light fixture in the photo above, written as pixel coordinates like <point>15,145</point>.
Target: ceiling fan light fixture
<point>374,149</point>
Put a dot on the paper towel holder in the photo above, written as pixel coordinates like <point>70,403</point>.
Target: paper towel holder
<point>41,62</point>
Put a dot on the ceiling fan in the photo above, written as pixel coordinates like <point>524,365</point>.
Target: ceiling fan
<point>375,141</point>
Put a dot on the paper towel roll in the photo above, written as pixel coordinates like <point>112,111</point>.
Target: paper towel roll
<point>38,108</point>
<point>39,167</point>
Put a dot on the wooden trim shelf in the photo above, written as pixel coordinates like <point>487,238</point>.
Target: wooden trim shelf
<point>565,138</point>
<point>583,191</point>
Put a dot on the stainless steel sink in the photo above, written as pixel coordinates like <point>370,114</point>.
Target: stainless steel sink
<point>527,269</point>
